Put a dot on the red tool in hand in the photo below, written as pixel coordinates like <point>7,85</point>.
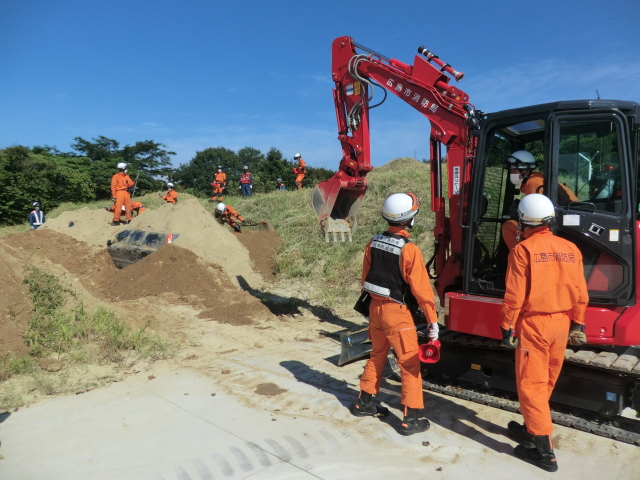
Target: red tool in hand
<point>429,352</point>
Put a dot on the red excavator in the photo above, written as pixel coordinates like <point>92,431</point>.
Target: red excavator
<point>591,147</point>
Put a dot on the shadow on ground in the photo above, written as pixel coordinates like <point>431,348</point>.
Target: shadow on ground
<point>280,306</point>
<point>441,411</point>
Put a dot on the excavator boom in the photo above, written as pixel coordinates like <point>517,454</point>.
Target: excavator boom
<point>423,86</point>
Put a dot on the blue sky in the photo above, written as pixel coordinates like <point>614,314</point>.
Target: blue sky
<point>197,74</point>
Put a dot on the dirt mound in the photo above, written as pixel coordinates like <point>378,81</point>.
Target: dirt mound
<point>199,232</point>
<point>262,247</point>
<point>172,272</point>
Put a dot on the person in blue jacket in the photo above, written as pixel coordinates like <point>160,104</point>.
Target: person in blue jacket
<point>36,217</point>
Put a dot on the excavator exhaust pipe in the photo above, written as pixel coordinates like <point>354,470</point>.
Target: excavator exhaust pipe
<point>336,206</point>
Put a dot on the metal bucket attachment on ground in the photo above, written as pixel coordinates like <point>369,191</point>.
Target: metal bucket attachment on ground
<point>131,246</point>
<point>336,203</point>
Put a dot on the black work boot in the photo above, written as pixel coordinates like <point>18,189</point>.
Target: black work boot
<point>115,224</point>
<point>412,424</point>
<point>521,434</point>
<point>364,407</point>
<point>541,456</point>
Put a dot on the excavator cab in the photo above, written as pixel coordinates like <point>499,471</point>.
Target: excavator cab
<point>581,147</point>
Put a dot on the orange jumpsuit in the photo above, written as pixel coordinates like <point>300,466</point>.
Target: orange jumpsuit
<point>391,323</point>
<point>135,207</point>
<point>119,184</point>
<point>534,184</point>
<point>228,214</point>
<point>300,172</point>
<point>219,182</point>
<point>546,289</point>
<point>171,196</point>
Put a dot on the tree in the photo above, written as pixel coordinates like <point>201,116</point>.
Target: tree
<point>197,175</point>
<point>27,177</point>
<point>147,160</point>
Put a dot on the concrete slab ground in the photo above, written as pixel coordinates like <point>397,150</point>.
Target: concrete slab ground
<point>184,424</point>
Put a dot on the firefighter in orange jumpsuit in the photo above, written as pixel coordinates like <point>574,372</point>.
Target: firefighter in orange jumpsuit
<point>121,184</point>
<point>300,170</point>
<point>393,272</point>
<point>171,196</point>
<point>521,165</point>
<point>545,299</point>
<point>219,183</point>
<point>225,214</point>
<point>135,207</point>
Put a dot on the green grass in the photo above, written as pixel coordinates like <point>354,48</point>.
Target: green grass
<point>335,268</point>
<point>61,325</point>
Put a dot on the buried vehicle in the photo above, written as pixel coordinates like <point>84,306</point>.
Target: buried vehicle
<point>133,245</point>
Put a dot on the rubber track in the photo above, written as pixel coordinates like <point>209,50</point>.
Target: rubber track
<point>629,435</point>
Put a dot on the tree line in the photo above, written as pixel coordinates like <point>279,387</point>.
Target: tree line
<point>52,177</point>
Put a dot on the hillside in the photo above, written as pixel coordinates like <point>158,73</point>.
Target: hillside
<point>331,271</point>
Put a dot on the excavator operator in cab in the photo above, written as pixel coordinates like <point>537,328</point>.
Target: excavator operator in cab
<point>544,285</point>
<point>225,214</point>
<point>393,272</point>
<point>521,165</point>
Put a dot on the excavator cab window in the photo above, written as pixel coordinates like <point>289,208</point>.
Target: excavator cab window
<point>498,200</point>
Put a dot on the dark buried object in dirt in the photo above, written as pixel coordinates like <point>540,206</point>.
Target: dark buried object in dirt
<point>133,245</point>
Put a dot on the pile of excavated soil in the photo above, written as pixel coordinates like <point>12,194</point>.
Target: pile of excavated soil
<point>262,247</point>
<point>199,232</point>
<point>170,276</point>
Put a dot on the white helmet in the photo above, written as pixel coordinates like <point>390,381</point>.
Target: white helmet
<point>279,180</point>
<point>170,185</point>
<point>297,155</point>
<point>220,207</point>
<point>245,168</point>
<point>122,166</point>
<point>535,209</point>
<point>400,207</point>
<point>520,159</point>
<point>35,204</point>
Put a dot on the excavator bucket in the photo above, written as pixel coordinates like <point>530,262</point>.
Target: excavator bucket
<point>336,205</point>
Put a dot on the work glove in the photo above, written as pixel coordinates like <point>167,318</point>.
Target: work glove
<point>250,187</point>
<point>508,340</point>
<point>239,187</point>
<point>434,328</point>
<point>576,334</point>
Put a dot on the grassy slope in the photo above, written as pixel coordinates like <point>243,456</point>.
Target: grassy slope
<point>334,268</point>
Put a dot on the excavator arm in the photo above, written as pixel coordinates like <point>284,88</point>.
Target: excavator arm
<point>426,88</point>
